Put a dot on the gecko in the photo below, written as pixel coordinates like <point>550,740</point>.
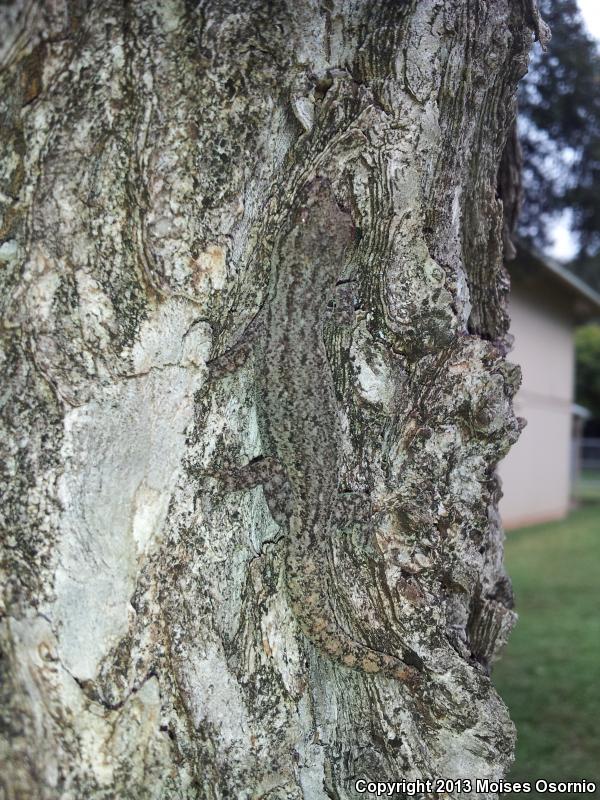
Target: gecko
<point>299,423</point>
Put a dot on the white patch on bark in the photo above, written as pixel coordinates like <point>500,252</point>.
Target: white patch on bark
<point>216,700</point>
<point>122,454</point>
<point>374,380</point>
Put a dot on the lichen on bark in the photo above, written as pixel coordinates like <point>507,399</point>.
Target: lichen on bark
<point>151,153</point>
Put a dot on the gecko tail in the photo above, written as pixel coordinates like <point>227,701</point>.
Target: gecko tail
<point>315,617</point>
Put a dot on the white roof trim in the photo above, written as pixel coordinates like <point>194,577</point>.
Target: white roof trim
<point>580,411</point>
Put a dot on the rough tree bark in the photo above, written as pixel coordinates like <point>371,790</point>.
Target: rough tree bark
<point>157,157</point>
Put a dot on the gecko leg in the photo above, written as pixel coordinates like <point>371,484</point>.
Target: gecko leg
<point>264,471</point>
<point>237,355</point>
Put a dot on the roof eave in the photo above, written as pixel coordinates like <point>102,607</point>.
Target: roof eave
<point>563,276</point>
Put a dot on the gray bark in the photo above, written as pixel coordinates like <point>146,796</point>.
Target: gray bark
<point>152,152</point>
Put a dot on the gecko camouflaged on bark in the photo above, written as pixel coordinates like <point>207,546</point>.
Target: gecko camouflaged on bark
<point>299,420</point>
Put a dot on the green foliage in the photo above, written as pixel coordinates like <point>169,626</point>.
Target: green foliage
<point>560,134</point>
<point>548,676</point>
<point>587,350</point>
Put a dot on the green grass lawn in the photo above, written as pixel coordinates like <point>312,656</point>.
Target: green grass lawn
<point>588,487</point>
<point>549,675</point>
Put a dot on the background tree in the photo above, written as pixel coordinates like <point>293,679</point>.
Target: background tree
<point>587,343</point>
<point>172,172</point>
<point>559,103</point>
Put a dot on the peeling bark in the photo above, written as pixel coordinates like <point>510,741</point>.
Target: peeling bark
<point>152,154</point>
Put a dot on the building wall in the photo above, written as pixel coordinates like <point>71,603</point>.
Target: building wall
<point>536,473</point>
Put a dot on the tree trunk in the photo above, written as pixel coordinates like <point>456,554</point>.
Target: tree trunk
<point>183,180</point>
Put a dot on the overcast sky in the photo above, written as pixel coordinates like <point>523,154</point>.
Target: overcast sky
<point>591,12</point>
